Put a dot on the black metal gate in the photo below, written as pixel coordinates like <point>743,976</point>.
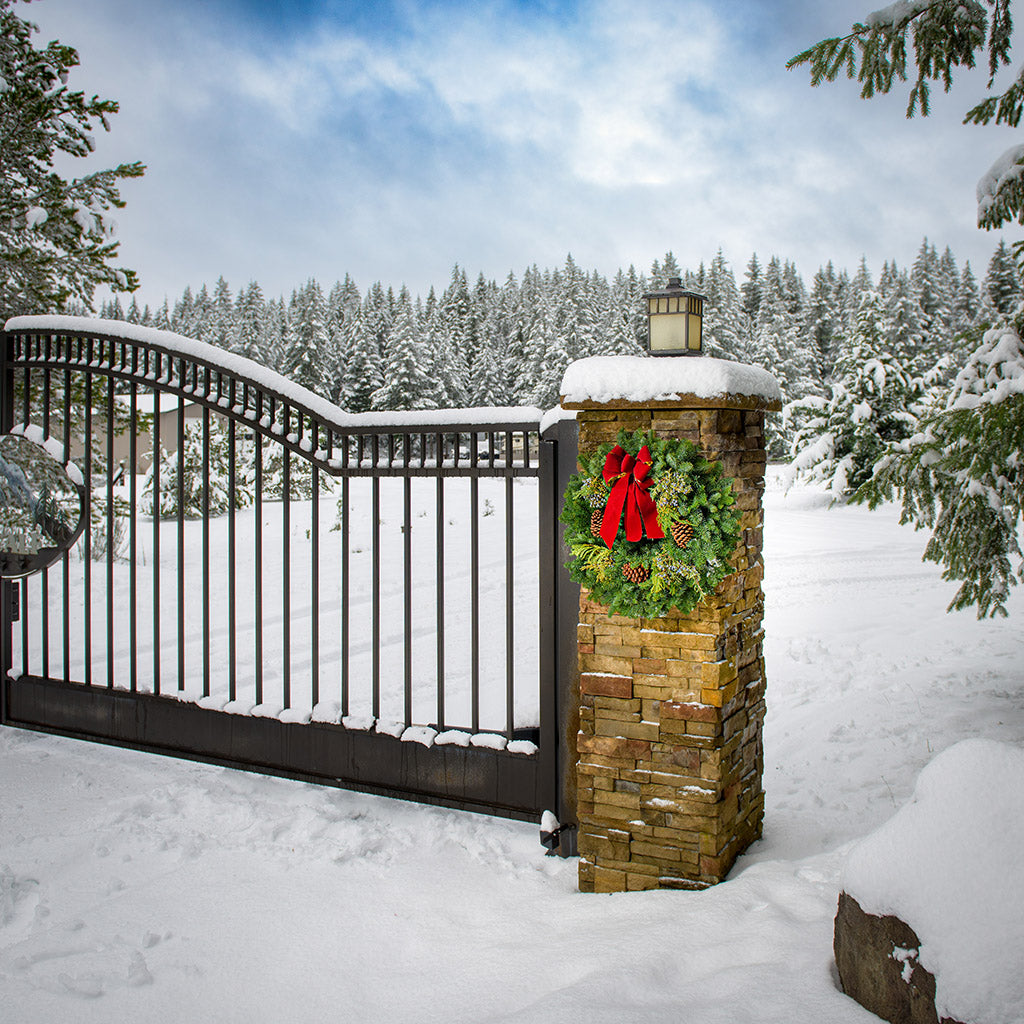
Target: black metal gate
<point>269,583</point>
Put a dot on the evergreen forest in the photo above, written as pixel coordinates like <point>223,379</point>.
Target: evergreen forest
<point>490,344</point>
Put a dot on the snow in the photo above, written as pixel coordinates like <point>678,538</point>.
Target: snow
<point>556,415</point>
<point>650,378</point>
<point>453,737</point>
<point>261,376</point>
<point>138,887</point>
<point>993,372</point>
<point>35,216</point>
<point>1007,169</point>
<point>52,447</point>
<point>949,864</point>
<point>897,13</point>
<point>419,734</point>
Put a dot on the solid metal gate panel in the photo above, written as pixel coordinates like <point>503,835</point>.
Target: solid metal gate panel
<point>394,653</point>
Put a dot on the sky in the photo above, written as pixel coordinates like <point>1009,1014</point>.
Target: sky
<point>392,139</point>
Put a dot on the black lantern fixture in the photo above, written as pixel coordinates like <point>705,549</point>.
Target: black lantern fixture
<point>674,318</point>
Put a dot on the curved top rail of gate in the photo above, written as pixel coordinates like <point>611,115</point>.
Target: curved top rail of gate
<point>272,405</point>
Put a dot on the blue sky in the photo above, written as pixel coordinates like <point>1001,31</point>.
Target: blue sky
<point>391,139</point>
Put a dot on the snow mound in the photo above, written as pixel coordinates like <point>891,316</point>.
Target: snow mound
<point>649,379</point>
<point>949,865</point>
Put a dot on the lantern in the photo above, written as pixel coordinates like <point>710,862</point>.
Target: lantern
<point>674,318</point>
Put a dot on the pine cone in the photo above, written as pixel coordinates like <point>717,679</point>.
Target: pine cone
<point>682,533</point>
<point>635,573</point>
<point>596,518</point>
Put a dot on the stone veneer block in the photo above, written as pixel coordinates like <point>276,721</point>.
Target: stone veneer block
<point>671,709</point>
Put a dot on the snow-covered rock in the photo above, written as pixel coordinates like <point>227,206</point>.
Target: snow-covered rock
<point>949,865</point>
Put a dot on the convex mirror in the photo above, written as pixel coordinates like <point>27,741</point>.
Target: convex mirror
<point>42,503</point>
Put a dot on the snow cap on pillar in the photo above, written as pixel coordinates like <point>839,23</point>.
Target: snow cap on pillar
<point>616,381</point>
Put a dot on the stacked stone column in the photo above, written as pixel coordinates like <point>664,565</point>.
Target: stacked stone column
<point>671,709</point>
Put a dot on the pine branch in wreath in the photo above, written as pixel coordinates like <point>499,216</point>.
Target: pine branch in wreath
<point>649,577</point>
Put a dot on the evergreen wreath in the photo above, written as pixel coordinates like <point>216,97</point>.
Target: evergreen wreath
<point>680,525</point>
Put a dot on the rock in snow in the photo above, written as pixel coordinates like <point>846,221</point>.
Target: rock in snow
<point>949,865</point>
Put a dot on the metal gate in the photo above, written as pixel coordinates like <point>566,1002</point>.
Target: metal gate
<point>266,582</point>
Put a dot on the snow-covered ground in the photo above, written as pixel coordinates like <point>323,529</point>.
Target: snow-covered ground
<point>139,888</point>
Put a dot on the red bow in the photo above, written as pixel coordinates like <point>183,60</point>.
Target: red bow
<point>631,486</point>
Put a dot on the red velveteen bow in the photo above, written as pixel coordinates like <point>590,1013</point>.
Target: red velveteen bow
<point>630,489</point>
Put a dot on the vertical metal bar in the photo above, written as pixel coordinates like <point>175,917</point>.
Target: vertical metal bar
<point>375,547</point>
<point>407,588</point>
<point>27,418</point>
<point>110,525</point>
<point>206,548</point>
<point>510,607</point>
<point>133,624</point>
<point>474,587</point>
<point>157,497</point>
<point>181,537</point>
<point>87,545</point>
<point>314,574</point>
<point>232,641</point>
<point>344,586</point>
<point>6,587</point>
<point>286,582</point>
<point>258,567</point>
<point>24,627</point>
<point>66,558</point>
<point>45,581</point>
<point>439,596</point>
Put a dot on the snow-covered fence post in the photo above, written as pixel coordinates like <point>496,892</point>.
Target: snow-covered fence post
<point>671,708</point>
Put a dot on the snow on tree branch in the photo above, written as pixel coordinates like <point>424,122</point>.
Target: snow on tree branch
<point>1001,190</point>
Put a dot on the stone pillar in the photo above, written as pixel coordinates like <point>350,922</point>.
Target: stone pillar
<point>671,709</point>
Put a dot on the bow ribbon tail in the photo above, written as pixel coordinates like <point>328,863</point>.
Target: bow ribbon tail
<point>613,510</point>
<point>648,511</point>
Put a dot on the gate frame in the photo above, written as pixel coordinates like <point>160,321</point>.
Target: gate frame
<point>470,778</point>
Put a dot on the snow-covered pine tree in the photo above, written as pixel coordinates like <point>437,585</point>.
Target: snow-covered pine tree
<point>548,342</point>
<point>273,331</point>
<point>961,474</point>
<point>779,345</point>
<point>751,288</point>
<point>1001,291</point>
<point>661,272</point>
<point>872,404</point>
<point>221,321</point>
<point>456,315</point>
<point>307,339</point>
<point>925,277</point>
<point>193,481</point>
<point>967,304</point>
<point>406,385</point>
<point>343,306</point>
<point>722,329</point>
<point>162,317</point>
<point>56,235</point>
<point>444,369</point>
<point>823,321</point>
<point>247,327</point>
<point>202,315</point>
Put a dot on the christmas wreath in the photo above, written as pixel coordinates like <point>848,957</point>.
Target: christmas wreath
<point>650,524</point>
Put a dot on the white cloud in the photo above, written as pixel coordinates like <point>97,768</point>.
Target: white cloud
<point>497,141</point>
